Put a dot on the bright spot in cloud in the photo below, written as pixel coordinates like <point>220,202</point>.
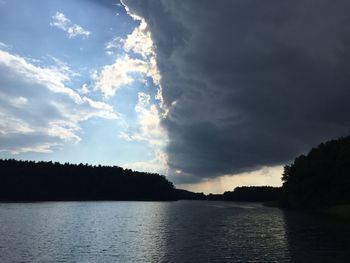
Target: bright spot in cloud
<point>117,75</point>
<point>159,164</point>
<point>148,120</point>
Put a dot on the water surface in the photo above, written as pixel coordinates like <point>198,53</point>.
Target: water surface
<point>183,231</point>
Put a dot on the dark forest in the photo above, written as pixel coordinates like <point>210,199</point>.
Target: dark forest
<point>48,181</point>
<point>320,178</point>
<point>52,181</point>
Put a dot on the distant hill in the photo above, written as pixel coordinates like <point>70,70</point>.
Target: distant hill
<point>48,181</point>
<point>319,179</point>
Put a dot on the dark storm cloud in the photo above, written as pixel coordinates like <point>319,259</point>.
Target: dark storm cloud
<point>249,83</point>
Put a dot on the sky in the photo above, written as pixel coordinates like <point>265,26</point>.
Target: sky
<point>77,85</point>
<point>213,94</point>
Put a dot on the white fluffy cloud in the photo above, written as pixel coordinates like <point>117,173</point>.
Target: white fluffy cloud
<point>117,75</point>
<point>149,120</point>
<point>115,43</point>
<point>37,109</point>
<point>149,123</point>
<point>139,60</point>
<point>140,41</point>
<point>72,30</point>
<point>150,131</point>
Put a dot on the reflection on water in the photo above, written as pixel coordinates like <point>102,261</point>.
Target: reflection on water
<point>315,238</point>
<point>184,231</point>
<point>225,232</point>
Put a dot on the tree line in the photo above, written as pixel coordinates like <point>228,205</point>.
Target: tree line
<point>248,194</point>
<point>317,179</point>
<point>50,181</point>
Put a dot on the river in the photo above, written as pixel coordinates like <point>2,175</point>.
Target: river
<point>182,231</point>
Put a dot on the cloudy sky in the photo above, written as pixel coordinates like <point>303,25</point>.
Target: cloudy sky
<point>214,94</point>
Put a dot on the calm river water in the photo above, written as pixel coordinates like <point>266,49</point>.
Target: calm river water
<point>183,231</point>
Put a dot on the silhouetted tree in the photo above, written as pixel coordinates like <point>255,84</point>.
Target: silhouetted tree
<point>188,195</point>
<point>253,194</point>
<point>321,178</point>
<point>33,181</point>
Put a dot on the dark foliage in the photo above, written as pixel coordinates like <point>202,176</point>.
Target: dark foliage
<point>248,194</point>
<point>244,193</point>
<point>319,179</point>
<point>253,194</point>
<point>44,181</point>
<point>188,195</point>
